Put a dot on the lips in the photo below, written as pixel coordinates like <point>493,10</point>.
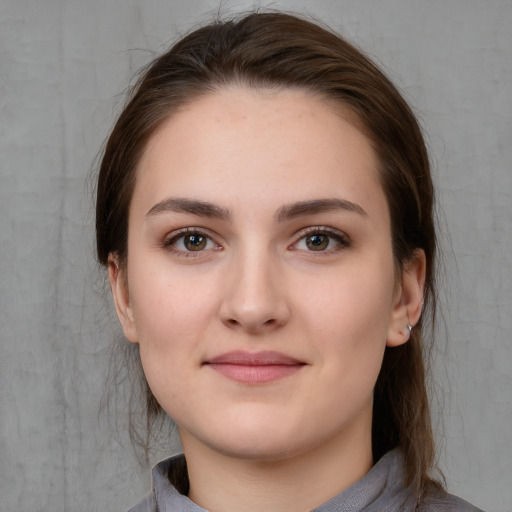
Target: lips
<point>255,368</point>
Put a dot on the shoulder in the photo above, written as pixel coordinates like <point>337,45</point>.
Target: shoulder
<point>444,502</point>
<point>398,496</point>
<point>148,504</point>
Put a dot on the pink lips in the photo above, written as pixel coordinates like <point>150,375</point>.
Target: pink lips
<point>255,368</point>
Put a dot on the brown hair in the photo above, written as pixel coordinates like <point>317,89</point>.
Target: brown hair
<point>265,50</point>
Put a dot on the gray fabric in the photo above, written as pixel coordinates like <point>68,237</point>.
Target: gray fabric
<point>381,490</point>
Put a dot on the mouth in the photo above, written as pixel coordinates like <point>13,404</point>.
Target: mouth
<point>255,368</point>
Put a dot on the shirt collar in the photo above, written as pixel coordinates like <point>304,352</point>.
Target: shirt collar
<point>382,489</point>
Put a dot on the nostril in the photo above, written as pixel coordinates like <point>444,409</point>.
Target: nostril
<point>252,326</point>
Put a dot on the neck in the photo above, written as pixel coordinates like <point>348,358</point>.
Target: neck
<point>223,483</point>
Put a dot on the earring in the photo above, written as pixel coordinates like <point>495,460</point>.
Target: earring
<point>409,329</point>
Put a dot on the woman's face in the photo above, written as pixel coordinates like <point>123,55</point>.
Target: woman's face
<point>260,281</point>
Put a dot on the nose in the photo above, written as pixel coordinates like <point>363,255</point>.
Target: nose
<point>254,298</point>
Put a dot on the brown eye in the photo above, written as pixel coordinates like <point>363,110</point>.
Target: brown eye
<point>188,242</point>
<point>322,240</point>
<point>194,242</point>
<point>317,242</point>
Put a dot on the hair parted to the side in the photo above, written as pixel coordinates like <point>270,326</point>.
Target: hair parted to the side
<point>276,50</point>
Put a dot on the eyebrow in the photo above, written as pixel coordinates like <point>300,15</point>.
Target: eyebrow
<point>285,212</point>
<point>293,210</point>
<point>191,206</point>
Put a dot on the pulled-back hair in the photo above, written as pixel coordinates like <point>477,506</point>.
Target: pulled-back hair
<point>276,50</point>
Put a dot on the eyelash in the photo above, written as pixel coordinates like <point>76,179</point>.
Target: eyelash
<point>169,242</point>
<point>333,234</point>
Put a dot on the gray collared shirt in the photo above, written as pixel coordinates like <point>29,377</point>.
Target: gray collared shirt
<point>380,490</point>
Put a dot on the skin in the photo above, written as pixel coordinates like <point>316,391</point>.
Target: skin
<point>260,284</point>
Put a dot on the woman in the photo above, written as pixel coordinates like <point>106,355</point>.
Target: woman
<point>264,210</point>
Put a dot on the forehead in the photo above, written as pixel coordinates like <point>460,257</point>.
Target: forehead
<point>243,145</point>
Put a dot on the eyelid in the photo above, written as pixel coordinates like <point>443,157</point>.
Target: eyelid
<point>340,236</point>
<point>171,238</point>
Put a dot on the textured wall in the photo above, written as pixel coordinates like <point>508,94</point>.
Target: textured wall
<point>63,66</point>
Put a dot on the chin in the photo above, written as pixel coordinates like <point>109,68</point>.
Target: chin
<point>265,442</point>
<point>249,440</point>
<point>257,449</point>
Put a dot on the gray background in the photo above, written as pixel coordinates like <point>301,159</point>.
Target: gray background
<point>64,65</point>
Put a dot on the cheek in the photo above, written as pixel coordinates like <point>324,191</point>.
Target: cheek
<point>172,315</point>
<point>350,324</point>
<point>168,306</point>
<point>174,312</point>
<point>356,300</point>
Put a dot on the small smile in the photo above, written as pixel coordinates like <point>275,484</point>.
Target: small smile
<point>255,368</point>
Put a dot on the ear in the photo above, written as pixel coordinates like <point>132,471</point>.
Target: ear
<point>120,292</point>
<point>409,300</point>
